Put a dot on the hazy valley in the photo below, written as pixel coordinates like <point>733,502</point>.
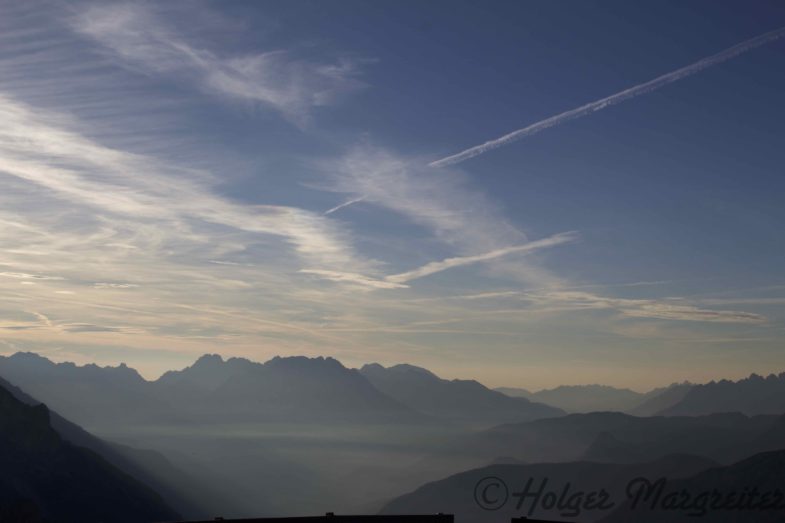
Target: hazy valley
<point>307,435</point>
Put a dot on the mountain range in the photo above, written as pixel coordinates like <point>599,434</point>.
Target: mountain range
<point>300,389</point>
<point>88,395</point>
<point>600,398</point>
<point>460,400</point>
<point>237,390</point>
<point>282,389</point>
<point>753,395</point>
<point>237,438</point>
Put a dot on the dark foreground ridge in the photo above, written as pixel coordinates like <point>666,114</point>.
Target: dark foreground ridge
<point>46,479</point>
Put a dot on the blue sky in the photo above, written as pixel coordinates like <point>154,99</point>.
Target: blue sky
<point>174,177</point>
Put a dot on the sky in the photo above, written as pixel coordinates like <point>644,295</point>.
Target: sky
<point>285,178</point>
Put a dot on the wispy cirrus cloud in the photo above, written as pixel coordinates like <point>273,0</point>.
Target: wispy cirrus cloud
<point>38,148</point>
<point>276,79</point>
<point>442,202</point>
<point>356,279</point>
<point>26,276</point>
<point>664,309</point>
<point>92,225</point>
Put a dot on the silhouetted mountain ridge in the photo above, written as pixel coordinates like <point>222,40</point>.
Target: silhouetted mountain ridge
<point>660,399</point>
<point>600,398</point>
<point>581,398</point>
<point>88,394</point>
<point>458,400</point>
<point>305,389</point>
<point>213,390</point>
<point>753,395</point>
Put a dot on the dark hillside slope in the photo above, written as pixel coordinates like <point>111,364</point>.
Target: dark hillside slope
<point>44,478</point>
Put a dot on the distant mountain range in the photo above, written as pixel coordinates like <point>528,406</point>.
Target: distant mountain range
<point>89,395</point>
<point>300,389</point>
<point>581,398</point>
<point>44,478</point>
<point>282,389</point>
<point>237,390</point>
<point>753,395</point>
<point>601,398</point>
<point>461,400</point>
<point>211,390</point>
<point>657,400</point>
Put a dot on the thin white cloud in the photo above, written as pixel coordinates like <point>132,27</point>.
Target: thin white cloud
<point>26,276</point>
<point>276,78</point>
<point>103,285</point>
<point>664,309</point>
<point>352,278</point>
<point>396,281</point>
<point>669,311</point>
<point>459,261</point>
<point>480,296</point>
<point>613,99</point>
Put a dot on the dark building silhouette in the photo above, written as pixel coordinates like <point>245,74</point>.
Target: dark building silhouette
<point>333,518</point>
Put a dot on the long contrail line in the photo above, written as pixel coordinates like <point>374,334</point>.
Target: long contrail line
<point>613,99</point>
<point>347,203</point>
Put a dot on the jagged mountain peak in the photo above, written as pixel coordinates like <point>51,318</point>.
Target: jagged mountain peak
<point>400,368</point>
<point>208,360</point>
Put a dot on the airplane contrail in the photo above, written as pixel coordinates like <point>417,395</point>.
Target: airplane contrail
<point>613,99</point>
<point>347,203</point>
<point>449,263</point>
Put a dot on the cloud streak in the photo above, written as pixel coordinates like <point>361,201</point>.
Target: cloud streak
<point>398,281</point>
<point>459,261</point>
<point>613,99</point>
<point>662,309</point>
<point>353,278</point>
